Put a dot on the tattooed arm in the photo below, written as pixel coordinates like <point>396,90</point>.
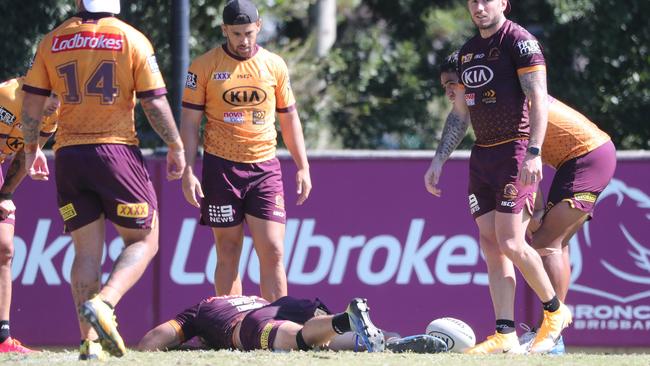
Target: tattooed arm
<point>15,174</point>
<point>455,129</point>
<point>533,85</point>
<point>31,115</point>
<point>161,119</point>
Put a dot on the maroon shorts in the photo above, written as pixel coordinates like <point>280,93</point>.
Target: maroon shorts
<point>581,180</point>
<point>493,183</point>
<point>260,326</point>
<point>233,189</point>
<point>109,179</point>
<point>11,219</point>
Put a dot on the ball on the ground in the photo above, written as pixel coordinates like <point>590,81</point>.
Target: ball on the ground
<point>454,332</point>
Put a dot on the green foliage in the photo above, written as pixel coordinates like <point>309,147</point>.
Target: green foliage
<point>600,53</point>
<point>379,86</point>
<point>24,22</point>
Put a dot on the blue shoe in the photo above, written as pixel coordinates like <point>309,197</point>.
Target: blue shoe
<point>558,349</point>
<point>369,335</point>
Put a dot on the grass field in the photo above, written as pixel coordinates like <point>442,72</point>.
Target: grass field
<point>230,358</point>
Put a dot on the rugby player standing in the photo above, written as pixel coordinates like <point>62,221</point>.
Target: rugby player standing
<point>240,87</point>
<point>11,145</point>
<point>98,65</point>
<point>584,159</point>
<point>503,71</point>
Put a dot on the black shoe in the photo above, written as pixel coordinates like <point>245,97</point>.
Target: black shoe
<point>421,343</point>
<point>371,336</point>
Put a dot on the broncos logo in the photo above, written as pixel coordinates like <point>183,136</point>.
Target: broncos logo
<point>608,257</point>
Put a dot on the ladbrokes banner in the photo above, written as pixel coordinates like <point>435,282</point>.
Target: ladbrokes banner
<point>369,229</point>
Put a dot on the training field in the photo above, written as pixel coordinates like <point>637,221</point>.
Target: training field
<point>227,358</point>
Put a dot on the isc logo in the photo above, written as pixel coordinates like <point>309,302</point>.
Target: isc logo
<point>477,76</point>
<point>244,96</point>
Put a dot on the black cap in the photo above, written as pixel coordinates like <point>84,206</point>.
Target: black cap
<point>240,12</point>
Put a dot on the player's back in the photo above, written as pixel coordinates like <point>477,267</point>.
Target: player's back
<point>569,134</point>
<point>96,64</point>
<point>215,318</point>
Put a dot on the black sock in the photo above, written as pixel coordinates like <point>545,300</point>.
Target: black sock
<point>4,330</point>
<point>341,323</point>
<point>552,305</point>
<point>505,326</point>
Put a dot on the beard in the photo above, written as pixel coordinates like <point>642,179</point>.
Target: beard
<point>492,24</point>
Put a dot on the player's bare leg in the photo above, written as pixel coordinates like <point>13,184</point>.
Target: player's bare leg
<point>6,255</point>
<point>86,268</point>
<point>551,240</point>
<point>501,272</point>
<point>7,343</point>
<point>510,233</point>
<point>140,246</point>
<point>228,244</point>
<point>268,239</point>
<point>502,281</point>
<point>316,332</point>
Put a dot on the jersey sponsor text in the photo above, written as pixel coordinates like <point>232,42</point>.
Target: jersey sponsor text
<point>87,41</point>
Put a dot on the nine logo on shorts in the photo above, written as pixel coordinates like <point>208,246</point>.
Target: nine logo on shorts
<point>221,214</point>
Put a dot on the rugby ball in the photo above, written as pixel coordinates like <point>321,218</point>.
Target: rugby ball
<point>455,333</point>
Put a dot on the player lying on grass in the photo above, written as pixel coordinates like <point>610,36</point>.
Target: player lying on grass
<point>251,323</point>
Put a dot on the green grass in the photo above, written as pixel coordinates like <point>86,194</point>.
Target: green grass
<point>263,358</point>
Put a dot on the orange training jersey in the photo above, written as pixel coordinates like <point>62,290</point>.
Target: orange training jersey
<point>240,98</point>
<point>97,64</point>
<point>11,103</point>
<point>569,134</point>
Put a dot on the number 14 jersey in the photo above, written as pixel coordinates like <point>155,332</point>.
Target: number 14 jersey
<point>97,65</point>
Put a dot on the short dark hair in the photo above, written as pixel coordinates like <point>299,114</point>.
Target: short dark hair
<point>450,64</point>
<point>240,12</point>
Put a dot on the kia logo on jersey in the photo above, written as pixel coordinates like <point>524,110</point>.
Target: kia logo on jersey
<point>477,76</point>
<point>244,96</point>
